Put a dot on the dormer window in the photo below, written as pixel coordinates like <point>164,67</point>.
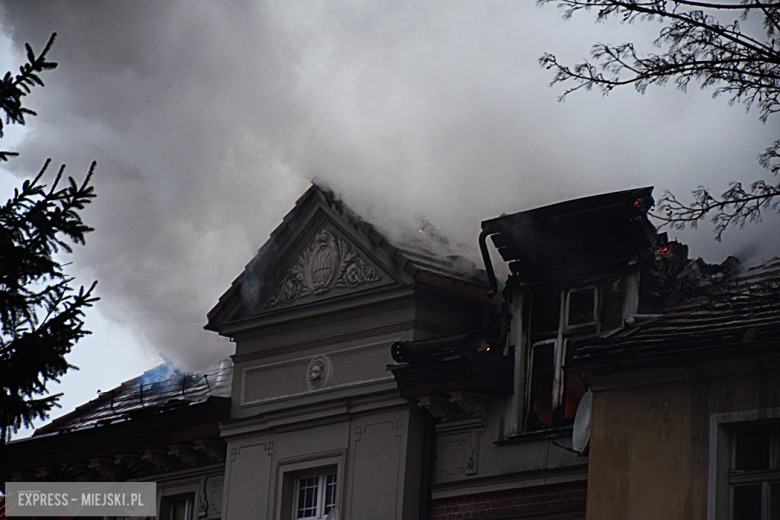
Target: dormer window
<point>558,318</point>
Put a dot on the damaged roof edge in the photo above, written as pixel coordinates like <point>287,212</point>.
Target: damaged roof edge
<point>555,238</point>
<point>570,207</point>
<point>689,358</point>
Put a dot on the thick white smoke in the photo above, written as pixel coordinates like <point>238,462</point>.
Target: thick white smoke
<point>209,119</point>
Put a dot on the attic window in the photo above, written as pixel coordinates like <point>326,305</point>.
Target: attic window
<point>558,318</point>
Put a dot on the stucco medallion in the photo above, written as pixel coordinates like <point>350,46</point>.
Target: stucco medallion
<point>326,263</point>
<point>319,372</point>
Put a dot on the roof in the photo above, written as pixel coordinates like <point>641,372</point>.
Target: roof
<point>593,229</point>
<point>415,256</point>
<point>160,389</point>
<point>122,450</point>
<point>741,317</point>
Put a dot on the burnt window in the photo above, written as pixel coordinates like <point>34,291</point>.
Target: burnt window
<point>575,386</point>
<point>540,413</point>
<point>581,307</point>
<point>559,318</point>
<point>613,294</point>
<point>545,310</point>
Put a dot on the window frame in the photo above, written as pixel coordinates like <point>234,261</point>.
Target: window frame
<point>722,479</point>
<point>567,326</point>
<point>288,470</point>
<point>322,490</point>
<point>618,296</point>
<point>561,341</point>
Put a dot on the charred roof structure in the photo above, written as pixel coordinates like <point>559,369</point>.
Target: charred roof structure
<point>162,426</point>
<point>143,415</point>
<point>156,391</point>
<point>737,317</point>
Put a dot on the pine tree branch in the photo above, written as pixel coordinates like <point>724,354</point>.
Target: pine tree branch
<point>41,317</point>
<point>13,89</point>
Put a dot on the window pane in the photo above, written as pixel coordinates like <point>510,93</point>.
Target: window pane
<point>582,306</point>
<point>575,384</point>
<point>747,502</point>
<point>612,304</point>
<point>330,493</point>
<point>751,449</point>
<point>774,502</point>
<point>543,367</point>
<point>545,307</point>
<point>307,497</point>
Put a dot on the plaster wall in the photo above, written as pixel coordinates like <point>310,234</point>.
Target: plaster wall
<point>378,470</point>
<point>272,360</point>
<point>356,424</point>
<point>472,457</point>
<point>649,447</point>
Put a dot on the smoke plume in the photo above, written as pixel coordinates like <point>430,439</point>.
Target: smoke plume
<point>209,119</point>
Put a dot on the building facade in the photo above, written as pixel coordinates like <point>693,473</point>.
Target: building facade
<point>317,424</point>
<point>388,378</point>
<point>686,407</point>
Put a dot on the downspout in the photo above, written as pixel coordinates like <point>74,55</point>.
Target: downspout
<point>486,260</point>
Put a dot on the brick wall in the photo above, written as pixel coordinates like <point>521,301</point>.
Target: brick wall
<point>513,503</point>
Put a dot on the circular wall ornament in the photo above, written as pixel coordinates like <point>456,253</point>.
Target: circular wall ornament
<point>319,372</point>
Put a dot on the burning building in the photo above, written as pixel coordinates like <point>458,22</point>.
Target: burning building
<point>317,424</point>
<point>379,378</point>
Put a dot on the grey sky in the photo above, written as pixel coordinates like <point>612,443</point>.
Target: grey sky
<point>209,119</point>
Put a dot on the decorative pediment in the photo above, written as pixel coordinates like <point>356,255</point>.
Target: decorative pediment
<point>328,262</point>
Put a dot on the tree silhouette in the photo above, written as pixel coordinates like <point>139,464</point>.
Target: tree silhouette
<point>41,315</point>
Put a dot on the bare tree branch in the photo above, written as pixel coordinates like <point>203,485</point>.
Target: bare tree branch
<point>696,47</point>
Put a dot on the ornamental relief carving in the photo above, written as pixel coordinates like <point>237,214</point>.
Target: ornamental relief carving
<point>319,372</point>
<point>326,263</point>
